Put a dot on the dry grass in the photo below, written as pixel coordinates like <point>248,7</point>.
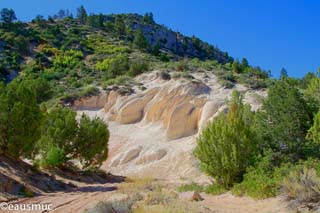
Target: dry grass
<point>302,187</point>
<point>132,185</point>
<point>145,195</point>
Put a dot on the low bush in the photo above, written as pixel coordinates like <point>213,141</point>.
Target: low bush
<point>190,187</point>
<point>303,185</point>
<point>138,67</point>
<point>120,80</point>
<point>215,189</point>
<point>89,91</point>
<point>116,206</point>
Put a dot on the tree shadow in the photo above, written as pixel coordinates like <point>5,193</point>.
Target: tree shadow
<point>88,177</point>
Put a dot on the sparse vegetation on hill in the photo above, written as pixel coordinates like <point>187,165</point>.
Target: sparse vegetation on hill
<point>47,61</point>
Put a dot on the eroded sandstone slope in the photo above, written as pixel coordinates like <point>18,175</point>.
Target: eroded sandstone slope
<point>155,123</point>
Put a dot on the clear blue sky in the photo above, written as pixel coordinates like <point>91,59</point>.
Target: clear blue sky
<point>271,34</point>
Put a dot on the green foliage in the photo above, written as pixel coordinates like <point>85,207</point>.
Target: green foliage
<point>19,119</point>
<point>260,181</point>
<point>226,146</point>
<point>120,80</point>
<point>92,141</point>
<point>63,139</point>
<point>82,14</point>
<point>138,67</point>
<point>190,187</point>
<point>148,18</point>
<point>140,41</point>
<point>119,25</point>
<point>7,16</point>
<point>54,157</point>
<point>313,90</point>
<point>69,58</point>
<point>215,189</point>
<point>115,66</point>
<point>284,120</point>
<point>314,131</point>
<point>89,91</point>
<point>58,130</point>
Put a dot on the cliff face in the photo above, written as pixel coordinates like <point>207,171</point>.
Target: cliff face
<point>157,127</point>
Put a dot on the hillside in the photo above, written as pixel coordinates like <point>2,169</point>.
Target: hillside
<point>74,57</point>
<point>182,125</point>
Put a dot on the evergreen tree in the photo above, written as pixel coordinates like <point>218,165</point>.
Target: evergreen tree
<point>313,90</point>
<point>82,14</point>
<point>314,131</point>
<point>283,73</point>
<point>244,64</point>
<point>236,66</point>
<point>120,26</point>
<point>140,41</point>
<point>7,16</point>
<point>148,18</point>
<point>226,146</point>
<point>19,120</point>
<point>92,141</point>
<point>284,120</point>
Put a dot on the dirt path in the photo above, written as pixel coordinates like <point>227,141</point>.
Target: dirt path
<point>227,203</point>
<point>87,197</point>
<point>77,200</point>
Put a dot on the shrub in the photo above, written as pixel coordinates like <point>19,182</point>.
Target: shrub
<point>20,118</point>
<point>54,157</point>
<point>114,66</point>
<point>283,121</point>
<point>138,67</point>
<point>58,130</point>
<point>226,146</point>
<point>89,91</point>
<point>91,144</point>
<point>226,84</point>
<point>120,80</point>
<point>182,66</point>
<point>63,139</point>
<point>117,206</point>
<point>303,185</point>
<point>215,189</point>
<point>68,58</point>
<point>190,187</point>
<point>257,183</point>
<point>314,131</point>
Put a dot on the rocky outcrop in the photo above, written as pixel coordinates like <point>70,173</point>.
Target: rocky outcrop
<point>181,106</point>
<point>91,102</point>
<point>154,129</point>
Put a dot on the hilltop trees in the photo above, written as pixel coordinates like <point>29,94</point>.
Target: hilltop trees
<point>140,41</point>
<point>7,16</point>
<point>148,18</point>
<point>120,26</point>
<point>226,146</point>
<point>82,14</point>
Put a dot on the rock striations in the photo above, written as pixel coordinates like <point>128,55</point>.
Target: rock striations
<point>155,128</point>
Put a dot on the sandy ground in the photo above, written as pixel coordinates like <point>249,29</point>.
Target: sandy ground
<point>87,197</point>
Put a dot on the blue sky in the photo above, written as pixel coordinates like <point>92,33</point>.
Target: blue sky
<point>271,34</point>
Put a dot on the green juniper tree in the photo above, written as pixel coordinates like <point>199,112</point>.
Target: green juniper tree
<point>226,146</point>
